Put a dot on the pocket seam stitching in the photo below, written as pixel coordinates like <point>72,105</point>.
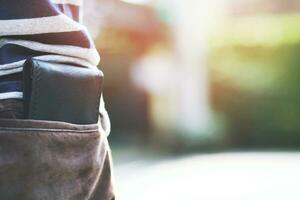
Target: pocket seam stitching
<point>48,130</point>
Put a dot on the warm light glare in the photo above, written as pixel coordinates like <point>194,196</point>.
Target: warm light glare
<point>136,1</point>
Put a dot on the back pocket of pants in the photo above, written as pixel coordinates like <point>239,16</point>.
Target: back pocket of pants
<point>51,160</point>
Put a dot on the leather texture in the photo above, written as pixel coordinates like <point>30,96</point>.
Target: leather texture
<point>61,92</point>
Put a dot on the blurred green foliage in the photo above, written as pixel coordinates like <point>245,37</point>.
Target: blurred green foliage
<point>255,80</point>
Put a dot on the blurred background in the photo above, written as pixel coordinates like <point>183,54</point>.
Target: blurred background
<point>203,96</point>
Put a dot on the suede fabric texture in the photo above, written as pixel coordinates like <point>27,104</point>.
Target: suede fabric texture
<point>43,160</point>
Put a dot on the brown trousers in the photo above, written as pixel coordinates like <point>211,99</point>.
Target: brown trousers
<point>43,160</point>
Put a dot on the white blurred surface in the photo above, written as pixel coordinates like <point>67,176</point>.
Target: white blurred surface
<point>228,176</point>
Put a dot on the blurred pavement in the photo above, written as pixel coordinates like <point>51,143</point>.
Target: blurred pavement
<point>224,176</point>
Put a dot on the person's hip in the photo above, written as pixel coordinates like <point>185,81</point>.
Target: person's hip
<point>50,159</point>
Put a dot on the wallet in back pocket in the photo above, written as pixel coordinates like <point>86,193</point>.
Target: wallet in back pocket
<point>61,92</point>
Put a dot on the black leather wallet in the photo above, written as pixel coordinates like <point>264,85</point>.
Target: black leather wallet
<point>61,92</point>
